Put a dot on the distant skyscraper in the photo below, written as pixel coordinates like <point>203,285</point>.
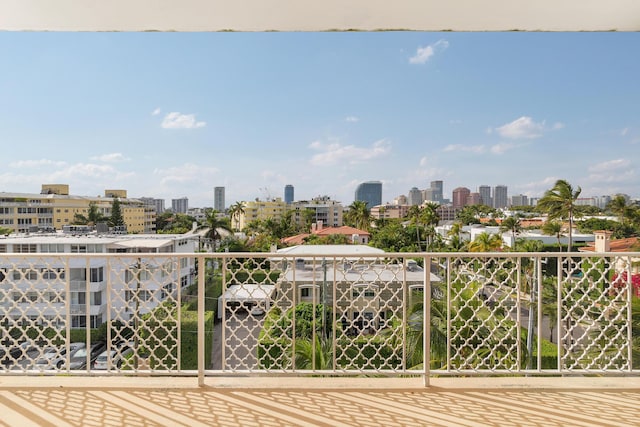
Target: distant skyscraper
<point>369,192</point>
<point>519,200</point>
<point>437,194</point>
<point>218,199</point>
<point>288,194</point>
<point>485,195</point>
<point>415,197</point>
<point>473,199</point>
<point>460,196</point>
<point>180,205</point>
<point>500,198</point>
<point>158,204</point>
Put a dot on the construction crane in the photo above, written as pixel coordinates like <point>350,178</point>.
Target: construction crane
<point>266,192</point>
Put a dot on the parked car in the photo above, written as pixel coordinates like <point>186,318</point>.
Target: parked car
<point>55,357</point>
<point>257,310</point>
<point>16,352</point>
<point>116,356</point>
<point>78,358</point>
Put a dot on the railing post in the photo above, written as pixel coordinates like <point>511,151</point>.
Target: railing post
<point>201,330</point>
<point>426,315</point>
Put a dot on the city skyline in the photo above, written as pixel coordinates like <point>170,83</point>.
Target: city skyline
<point>171,115</point>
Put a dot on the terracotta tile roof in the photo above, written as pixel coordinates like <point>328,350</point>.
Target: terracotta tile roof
<point>349,231</point>
<point>618,245</point>
<point>298,239</point>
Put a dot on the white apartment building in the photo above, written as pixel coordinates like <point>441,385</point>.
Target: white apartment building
<point>39,272</point>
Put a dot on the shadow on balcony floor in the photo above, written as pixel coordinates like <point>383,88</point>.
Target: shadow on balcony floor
<point>56,401</point>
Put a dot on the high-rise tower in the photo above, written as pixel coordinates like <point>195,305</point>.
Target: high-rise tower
<point>369,192</point>
<point>288,194</point>
<point>218,199</point>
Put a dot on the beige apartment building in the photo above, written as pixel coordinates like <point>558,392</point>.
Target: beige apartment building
<point>54,207</point>
<point>261,210</point>
<point>325,210</point>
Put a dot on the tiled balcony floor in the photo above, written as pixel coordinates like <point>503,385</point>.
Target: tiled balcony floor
<point>152,401</point>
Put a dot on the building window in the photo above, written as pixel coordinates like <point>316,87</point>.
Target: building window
<point>97,274</point>
<point>25,248</point>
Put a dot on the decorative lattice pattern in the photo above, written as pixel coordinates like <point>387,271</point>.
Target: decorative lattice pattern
<point>317,314</point>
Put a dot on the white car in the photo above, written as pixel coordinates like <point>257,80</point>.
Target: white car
<point>257,310</point>
<point>116,356</point>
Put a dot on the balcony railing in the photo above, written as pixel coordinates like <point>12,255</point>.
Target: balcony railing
<point>337,314</point>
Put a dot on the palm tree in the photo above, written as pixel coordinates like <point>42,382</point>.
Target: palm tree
<point>235,212</point>
<point>618,205</point>
<point>454,236</point>
<point>358,215</point>
<point>214,223</point>
<point>485,242</point>
<point>553,228</point>
<point>314,353</point>
<point>511,224</point>
<point>559,203</point>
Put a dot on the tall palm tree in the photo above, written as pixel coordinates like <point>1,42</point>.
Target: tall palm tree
<point>358,215</point>
<point>560,203</point>
<point>511,224</point>
<point>485,242</point>
<point>235,212</point>
<point>553,228</point>
<point>618,205</point>
<point>214,223</point>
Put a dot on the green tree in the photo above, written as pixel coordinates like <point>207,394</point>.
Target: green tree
<point>559,203</point>
<point>511,224</point>
<point>235,212</point>
<point>214,223</point>
<point>93,216</point>
<point>358,215</point>
<point>619,207</point>
<point>485,242</point>
<point>5,231</point>
<point>553,228</point>
<point>116,218</point>
<point>393,237</point>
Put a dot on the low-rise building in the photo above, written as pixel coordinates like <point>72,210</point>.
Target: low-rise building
<point>54,208</point>
<point>36,282</point>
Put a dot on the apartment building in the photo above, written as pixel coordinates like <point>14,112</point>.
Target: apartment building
<point>54,208</point>
<point>36,282</point>
<point>326,211</point>
<point>367,292</point>
<point>261,210</point>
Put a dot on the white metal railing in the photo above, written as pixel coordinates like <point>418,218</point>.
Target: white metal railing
<point>339,314</point>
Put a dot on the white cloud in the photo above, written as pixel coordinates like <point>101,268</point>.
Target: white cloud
<point>187,173</point>
<point>175,120</point>
<point>111,158</point>
<point>465,148</point>
<point>524,127</point>
<point>335,152</point>
<point>352,119</point>
<point>613,171</point>
<point>503,147</point>
<point>610,165</point>
<point>423,54</point>
<point>624,132</point>
<point>156,112</point>
<point>558,125</point>
<point>21,164</point>
<point>455,121</point>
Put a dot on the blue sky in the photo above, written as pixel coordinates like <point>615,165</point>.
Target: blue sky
<point>168,115</point>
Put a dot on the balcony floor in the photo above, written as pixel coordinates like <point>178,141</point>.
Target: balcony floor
<point>276,401</point>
